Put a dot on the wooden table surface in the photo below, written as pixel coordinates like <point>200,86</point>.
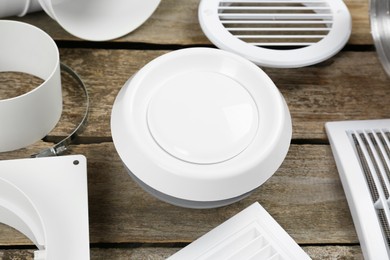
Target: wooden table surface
<point>305,195</point>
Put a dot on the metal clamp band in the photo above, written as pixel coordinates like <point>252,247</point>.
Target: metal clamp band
<point>62,146</point>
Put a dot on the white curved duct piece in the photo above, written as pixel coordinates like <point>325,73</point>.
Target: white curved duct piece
<point>18,7</point>
<point>19,212</point>
<point>94,20</point>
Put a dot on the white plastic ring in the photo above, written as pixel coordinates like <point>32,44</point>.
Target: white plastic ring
<point>27,118</point>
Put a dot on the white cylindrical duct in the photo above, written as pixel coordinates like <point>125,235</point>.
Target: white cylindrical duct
<point>94,20</point>
<point>18,7</point>
<point>29,117</point>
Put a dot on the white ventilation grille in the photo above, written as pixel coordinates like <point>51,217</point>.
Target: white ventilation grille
<point>373,152</point>
<point>243,26</point>
<point>248,243</point>
<point>275,24</point>
<point>249,235</point>
<point>362,153</point>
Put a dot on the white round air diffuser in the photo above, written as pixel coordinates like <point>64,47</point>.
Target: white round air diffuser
<point>275,33</point>
<point>200,127</point>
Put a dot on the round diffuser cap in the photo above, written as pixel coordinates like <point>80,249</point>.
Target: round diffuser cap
<point>200,127</point>
<point>282,34</point>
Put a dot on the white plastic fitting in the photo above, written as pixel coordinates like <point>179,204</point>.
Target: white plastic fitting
<point>46,199</point>
<point>18,7</point>
<point>27,118</point>
<point>94,20</point>
<point>201,127</point>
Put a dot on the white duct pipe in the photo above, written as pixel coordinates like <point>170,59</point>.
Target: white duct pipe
<point>94,20</point>
<point>18,7</point>
<point>27,118</point>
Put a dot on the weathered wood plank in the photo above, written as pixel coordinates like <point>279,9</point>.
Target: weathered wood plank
<point>160,253</point>
<point>350,86</point>
<point>305,196</point>
<point>178,20</point>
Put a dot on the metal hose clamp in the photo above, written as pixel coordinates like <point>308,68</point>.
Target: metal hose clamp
<point>62,146</point>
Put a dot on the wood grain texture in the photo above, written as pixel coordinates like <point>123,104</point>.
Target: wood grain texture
<point>351,85</point>
<point>176,22</point>
<point>160,253</point>
<point>305,196</point>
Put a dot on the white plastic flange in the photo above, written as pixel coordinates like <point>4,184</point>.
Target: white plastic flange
<point>253,28</point>
<point>201,127</point>
<point>18,211</point>
<point>27,118</point>
<point>47,200</point>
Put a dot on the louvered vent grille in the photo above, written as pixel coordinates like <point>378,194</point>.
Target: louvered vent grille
<point>277,24</point>
<point>372,149</point>
<point>252,234</point>
<point>248,243</point>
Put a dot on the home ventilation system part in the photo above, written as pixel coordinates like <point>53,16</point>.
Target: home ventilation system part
<point>249,235</point>
<point>29,117</point>
<point>380,30</point>
<point>200,127</point>
<point>62,145</point>
<point>277,33</point>
<point>362,153</point>
<point>18,7</point>
<point>94,20</point>
<point>46,199</point>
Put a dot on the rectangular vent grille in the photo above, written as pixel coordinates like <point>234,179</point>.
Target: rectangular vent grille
<point>250,235</point>
<point>372,148</point>
<point>246,244</point>
<point>362,153</point>
<point>277,23</point>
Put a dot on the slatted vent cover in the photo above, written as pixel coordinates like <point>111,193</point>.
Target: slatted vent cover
<point>362,153</point>
<point>249,235</point>
<point>277,33</point>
